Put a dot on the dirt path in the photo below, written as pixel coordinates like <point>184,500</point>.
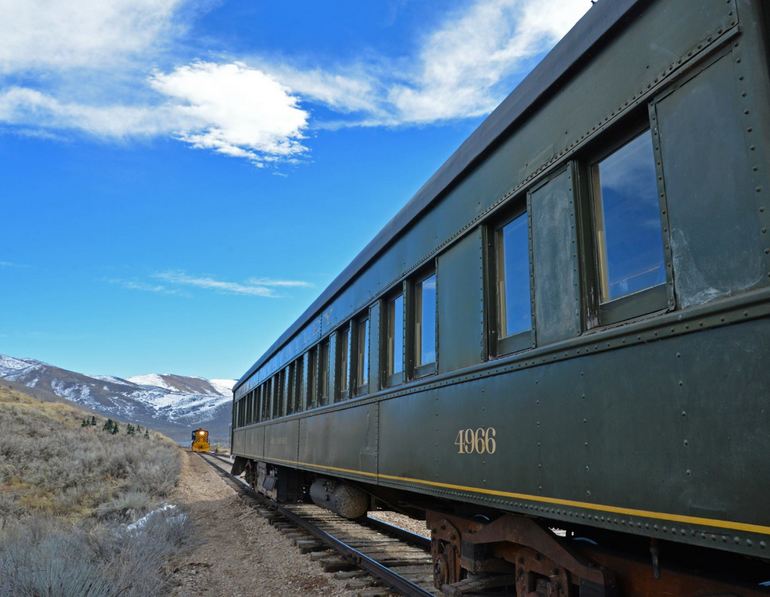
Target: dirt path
<point>233,551</point>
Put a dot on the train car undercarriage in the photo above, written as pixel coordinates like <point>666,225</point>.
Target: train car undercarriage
<point>477,550</point>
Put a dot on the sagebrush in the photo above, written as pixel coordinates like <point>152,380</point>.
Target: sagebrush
<point>68,492</point>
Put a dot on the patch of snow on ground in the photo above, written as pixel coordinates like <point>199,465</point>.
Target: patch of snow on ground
<point>74,393</point>
<point>223,386</point>
<point>11,365</point>
<point>151,379</point>
<point>112,379</point>
<point>167,511</point>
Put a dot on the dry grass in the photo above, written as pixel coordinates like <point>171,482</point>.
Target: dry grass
<point>66,494</point>
<point>50,464</point>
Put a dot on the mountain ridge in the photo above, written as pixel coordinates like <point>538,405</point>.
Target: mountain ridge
<point>170,403</point>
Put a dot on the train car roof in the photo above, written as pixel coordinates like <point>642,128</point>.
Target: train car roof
<point>600,19</point>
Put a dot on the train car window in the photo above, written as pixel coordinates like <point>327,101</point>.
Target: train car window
<point>344,345</point>
<point>249,396</point>
<point>299,402</point>
<point>512,297</point>
<point>311,395</point>
<point>267,404</point>
<point>395,339</point>
<point>362,356</point>
<point>628,234</point>
<point>627,218</point>
<point>323,373</point>
<point>425,326</point>
<point>280,394</point>
<point>289,388</point>
<point>285,377</point>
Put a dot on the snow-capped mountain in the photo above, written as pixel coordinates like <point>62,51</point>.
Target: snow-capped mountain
<point>173,404</point>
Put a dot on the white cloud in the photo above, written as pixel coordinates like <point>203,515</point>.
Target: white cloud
<point>54,34</point>
<point>22,105</point>
<point>143,286</point>
<point>279,283</point>
<point>353,89</point>
<point>463,63</point>
<point>234,110</point>
<point>230,108</point>
<point>85,68</point>
<point>256,287</point>
<point>463,68</point>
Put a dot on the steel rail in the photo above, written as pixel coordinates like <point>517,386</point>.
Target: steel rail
<point>217,456</point>
<point>360,559</point>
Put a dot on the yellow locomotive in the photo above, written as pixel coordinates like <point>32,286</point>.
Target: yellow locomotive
<point>200,440</point>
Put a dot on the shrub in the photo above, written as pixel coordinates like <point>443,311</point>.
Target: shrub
<point>43,556</point>
<point>68,492</point>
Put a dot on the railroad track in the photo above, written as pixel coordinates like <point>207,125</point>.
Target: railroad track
<point>396,558</point>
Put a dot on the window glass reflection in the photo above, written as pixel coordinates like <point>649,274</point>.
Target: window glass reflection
<point>344,367</point>
<point>628,227</point>
<point>396,335</point>
<point>514,311</point>
<point>425,321</point>
<point>362,363</point>
<point>323,372</point>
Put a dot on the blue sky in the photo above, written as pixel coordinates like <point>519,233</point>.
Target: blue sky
<point>180,179</point>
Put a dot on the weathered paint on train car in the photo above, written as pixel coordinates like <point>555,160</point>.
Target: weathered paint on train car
<point>708,205</point>
<point>556,288</point>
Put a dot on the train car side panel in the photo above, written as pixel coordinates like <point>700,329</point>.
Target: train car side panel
<point>461,290</point>
<point>282,441</point>
<point>554,250</point>
<point>605,438</point>
<point>342,442</point>
<point>708,205</point>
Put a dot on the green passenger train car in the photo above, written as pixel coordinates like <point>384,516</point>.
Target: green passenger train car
<point>568,326</point>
